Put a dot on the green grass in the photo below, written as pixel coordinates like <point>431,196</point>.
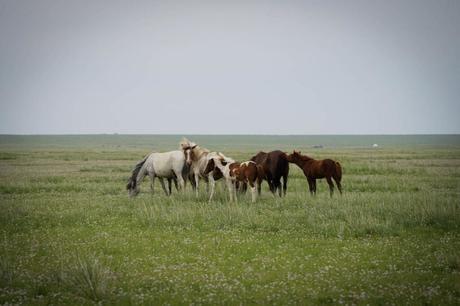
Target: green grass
<point>69,234</point>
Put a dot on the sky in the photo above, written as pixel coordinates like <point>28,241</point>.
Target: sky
<point>229,67</point>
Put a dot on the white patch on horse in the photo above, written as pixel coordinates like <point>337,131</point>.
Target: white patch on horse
<point>246,163</point>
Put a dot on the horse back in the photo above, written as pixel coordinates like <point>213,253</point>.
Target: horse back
<point>166,163</point>
<point>331,168</point>
<point>259,158</point>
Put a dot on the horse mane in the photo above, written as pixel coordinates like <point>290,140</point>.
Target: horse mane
<point>304,157</point>
<point>185,143</point>
<point>198,151</point>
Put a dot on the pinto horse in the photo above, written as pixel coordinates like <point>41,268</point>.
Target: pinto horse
<point>273,166</point>
<point>318,169</point>
<point>201,163</point>
<point>234,173</point>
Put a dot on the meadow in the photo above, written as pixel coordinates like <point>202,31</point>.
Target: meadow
<point>69,234</point>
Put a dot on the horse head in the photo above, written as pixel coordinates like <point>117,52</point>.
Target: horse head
<point>190,156</point>
<point>295,155</point>
<point>187,147</point>
<point>132,188</point>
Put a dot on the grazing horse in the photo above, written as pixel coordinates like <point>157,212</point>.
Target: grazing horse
<point>202,165</point>
<point>274,166</point>
<point>235,172</point>
<point>318,169</point>
<point>169,165</point>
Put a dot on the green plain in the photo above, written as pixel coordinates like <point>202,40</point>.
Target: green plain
<point>69,234</point>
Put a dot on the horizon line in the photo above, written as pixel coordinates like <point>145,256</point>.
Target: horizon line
<point>225,134</point>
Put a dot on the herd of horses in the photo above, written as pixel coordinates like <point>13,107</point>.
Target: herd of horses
<point>193,163</point>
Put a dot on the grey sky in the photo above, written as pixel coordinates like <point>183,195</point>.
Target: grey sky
<point>234,67</point>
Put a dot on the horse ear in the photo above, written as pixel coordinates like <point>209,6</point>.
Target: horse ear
<point>184,143</point>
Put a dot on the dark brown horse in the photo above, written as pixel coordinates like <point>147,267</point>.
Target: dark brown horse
<point>273,166</point>
<point>318,169</point>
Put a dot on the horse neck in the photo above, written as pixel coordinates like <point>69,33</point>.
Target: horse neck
<point>303,161</point>
<point>201,159</point>
<point>199,152</point>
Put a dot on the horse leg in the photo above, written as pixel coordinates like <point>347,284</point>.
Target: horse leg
<point>212,183</point>
<point>191,178</point>
<point>170,185</point>
<point>339,186</point>
<point>241,187</point>
<point>175,184</point>
<point>271,186</point>
<point>230,189</point>
<point>259,186</point>
<point>244,187</point>
<point>162,182</point>
<point>331,185</point>
<point>310,185</point>
<point>253,191</point>
<point>178,179</point>
<point>197,177</point>
<point>314,186</point>
<point>285,178</point>
<point>278,187</point>
<point>152,180</point>
<point>270,183</point>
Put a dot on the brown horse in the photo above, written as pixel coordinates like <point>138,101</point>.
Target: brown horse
<point>234,172</point>
<point>318,169</point>
<point>273,166</point>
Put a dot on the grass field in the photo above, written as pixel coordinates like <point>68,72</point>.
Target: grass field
<point>70,234</point>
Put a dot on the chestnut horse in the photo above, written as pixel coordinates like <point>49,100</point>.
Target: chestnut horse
<point>318,169</point>
<point>273,166</point>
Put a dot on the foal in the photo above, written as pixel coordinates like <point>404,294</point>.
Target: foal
<point>318,169</point>
<point>234,173</point>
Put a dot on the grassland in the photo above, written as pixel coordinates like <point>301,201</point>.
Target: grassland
<point>70,235</point>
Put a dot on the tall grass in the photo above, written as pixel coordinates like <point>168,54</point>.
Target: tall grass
<point>88,278</point>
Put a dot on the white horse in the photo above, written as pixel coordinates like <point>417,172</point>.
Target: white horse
<point>201,162</point>
<point>170,165</point>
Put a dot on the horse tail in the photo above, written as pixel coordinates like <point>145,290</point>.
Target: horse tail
<point>338,171</point>
<point>132,182</point>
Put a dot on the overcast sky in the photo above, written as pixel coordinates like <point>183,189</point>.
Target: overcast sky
<point>233,67</point>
